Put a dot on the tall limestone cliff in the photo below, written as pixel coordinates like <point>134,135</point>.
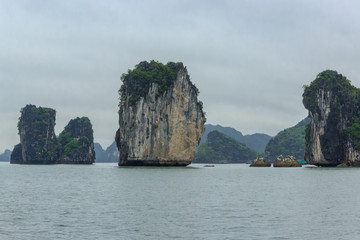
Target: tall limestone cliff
<point>333,135</point>
<point>38,143</point>
<point>161,120</point>
<point>77,142</point>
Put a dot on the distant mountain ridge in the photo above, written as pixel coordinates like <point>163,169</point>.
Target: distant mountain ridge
<point>220,148</point>
<point>111,154</point>
<point>5,157</point>
<point>257,141</point>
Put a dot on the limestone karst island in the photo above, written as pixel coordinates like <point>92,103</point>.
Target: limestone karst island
<point>333,135</point>
<point>161,120</point>
<point>332,132</point>
<point>39,145</point>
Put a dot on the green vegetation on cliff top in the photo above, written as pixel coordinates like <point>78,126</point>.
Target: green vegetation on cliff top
<point>76,137</point>
<point>330,81</point>
<point>39,116</point>
<point>136,82</point>
<point>220,148</point>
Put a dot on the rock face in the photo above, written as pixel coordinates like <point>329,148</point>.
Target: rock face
<point>260,162</point>
<point>16,154</point>
<point>39,145</point>
<point>77,142</point>
<point>161,120</point>
<point>37,137</point>
<point>333,135</point>
<point>289,161</point>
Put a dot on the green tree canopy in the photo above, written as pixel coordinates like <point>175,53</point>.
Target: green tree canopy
<point>290,141</point>
<point>137,82</point>
<point>220,148</point>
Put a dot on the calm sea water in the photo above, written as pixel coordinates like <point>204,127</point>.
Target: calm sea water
<point>103,201</point>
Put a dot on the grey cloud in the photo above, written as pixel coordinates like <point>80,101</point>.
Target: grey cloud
<point>249,59</point>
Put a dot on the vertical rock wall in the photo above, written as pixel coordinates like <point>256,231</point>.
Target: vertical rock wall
<point>332,137</point>
<point>314,152</point>
<point>16,155</point>
<point>161,128</point>
<point>39,145</point>
<point>37,136</point>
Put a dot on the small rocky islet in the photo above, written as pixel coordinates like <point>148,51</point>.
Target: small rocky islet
<point>260,162</point>
<point>289,161</point>
<point>280,161</point>
<point>39,144</point>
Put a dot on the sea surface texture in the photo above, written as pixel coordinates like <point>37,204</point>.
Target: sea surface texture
<point>103,201</point>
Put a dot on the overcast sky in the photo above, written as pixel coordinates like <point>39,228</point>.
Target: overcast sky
<point>249,59</point>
